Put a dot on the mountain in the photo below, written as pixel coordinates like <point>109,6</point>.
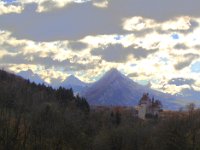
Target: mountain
<point>76,84</point>
<point>188,95</point>
<point>71,82</point>
<point>32,77</point>
<point>17,93</point>
<point>115,89</point>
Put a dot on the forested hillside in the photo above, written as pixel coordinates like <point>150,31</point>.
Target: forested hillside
<point>39,117</point>
<point>36,117</point>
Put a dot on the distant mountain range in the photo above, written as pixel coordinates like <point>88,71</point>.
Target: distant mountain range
<point>76,84</point>
<point>31,76</point>
<point>115,89</point>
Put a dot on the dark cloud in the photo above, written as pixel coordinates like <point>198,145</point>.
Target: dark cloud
<point>72,22</point>
<point>188,59</point>
<point>79,20</point>
<point>24,59</point>
<point>181,81</point>
<point>77,46</point>
<point>143,32</point>
<point>158,10</point>
<point>12,48</point>
<point>117,53</point>
<point>47,62</point>
<point>48,4</point>
<point>193,25</point>
<point>99,1</point>
<point>133,74</point>
<point>197,47</point>
<point>182,64</point>
<point>180,47</point>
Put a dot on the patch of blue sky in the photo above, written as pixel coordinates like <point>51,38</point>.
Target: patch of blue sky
<point>62,69</point>
<point>143,82</point>
<point>10,1</point>
<point>164,59</point>
<point>96,78</point>
<point>195,67</point>
<point>122,71</point>
<point>118,37</point>
<point>175,36</point>
<point>133,65</point>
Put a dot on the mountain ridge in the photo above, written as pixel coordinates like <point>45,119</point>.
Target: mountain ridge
<point>75,83</point>
<point>114,88</point>
<point>112,80</point>
<point>29,75</point>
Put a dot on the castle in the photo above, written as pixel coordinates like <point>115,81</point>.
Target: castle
<point>148,108</point>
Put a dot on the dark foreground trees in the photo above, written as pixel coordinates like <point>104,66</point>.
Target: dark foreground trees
<point>39,117</point>
<point>36,117</point>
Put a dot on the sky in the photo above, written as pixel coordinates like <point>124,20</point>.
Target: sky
<point>153,42</point>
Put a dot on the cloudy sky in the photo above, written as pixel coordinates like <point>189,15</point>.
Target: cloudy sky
<point>155,42</point>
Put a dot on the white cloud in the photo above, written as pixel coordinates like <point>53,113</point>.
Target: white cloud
<point>5,9</point>
<point>138,23</point>
<point>3,53</point>
<point>173,89</point>
<point>180,23</point>
<point>42,5</point>
<point>101,4</point>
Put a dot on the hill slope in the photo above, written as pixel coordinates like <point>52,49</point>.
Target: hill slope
<point>18,92</point>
